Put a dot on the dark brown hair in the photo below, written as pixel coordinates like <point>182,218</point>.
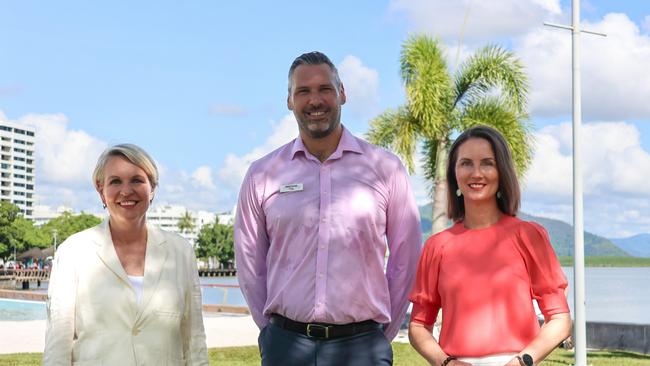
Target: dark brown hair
<point>510,194</point>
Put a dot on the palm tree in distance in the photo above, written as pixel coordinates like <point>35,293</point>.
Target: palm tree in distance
<point>186,222</point>
<point>489,88</point>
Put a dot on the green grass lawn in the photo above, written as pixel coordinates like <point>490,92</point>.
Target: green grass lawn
<point>404,356</point>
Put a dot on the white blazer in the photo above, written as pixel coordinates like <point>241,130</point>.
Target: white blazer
<point>93,315</point>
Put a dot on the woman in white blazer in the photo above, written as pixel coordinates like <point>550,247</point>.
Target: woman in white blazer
<point>125,293</point>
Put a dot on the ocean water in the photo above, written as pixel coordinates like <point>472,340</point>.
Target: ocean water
<point>619,295</point>
<point>21,310</point>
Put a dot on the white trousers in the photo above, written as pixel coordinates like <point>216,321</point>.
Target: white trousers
<point>492,360</point>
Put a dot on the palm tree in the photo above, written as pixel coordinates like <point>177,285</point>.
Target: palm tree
<point>489,88</point>
<point>186,222</point>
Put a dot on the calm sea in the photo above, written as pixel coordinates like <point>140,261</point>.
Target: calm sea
<point>619,295</point>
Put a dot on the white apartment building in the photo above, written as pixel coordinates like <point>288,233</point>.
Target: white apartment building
<point>167,216</point>
<point>17,166</point>
<point>42,214</point>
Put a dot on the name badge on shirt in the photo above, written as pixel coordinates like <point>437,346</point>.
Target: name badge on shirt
<point>295,187</point>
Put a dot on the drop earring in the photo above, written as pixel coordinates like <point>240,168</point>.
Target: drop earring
<point>498,195</point>
<point>458,193</point>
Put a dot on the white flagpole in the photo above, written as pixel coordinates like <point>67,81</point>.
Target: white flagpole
<point>580,327</point>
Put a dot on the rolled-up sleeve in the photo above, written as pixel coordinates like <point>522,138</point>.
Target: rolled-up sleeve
<point>404,242</point>
<point>61,294</point>
<point>251,248</point>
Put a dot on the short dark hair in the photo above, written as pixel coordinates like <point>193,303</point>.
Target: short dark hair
<point>313,58</point>
<point>510,198</point>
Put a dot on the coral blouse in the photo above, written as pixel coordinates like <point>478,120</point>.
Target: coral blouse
<point>485,280</point>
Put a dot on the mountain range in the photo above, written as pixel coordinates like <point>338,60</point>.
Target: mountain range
<point>561,235</point>
<point>637,245</point>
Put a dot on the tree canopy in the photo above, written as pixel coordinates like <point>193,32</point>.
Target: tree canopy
<point>489,88</point>
<point>216,240</point>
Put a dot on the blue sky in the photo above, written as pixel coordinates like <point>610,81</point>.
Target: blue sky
<point>202,86</point>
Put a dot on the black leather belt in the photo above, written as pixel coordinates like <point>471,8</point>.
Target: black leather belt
<point>324,331</point>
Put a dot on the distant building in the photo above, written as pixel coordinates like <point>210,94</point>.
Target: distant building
<point>42,214</point>
<point>17,166</point>
<point>167,216</point>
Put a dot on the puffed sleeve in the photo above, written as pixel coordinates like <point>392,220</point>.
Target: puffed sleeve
<point>548,282</point>
<point>425,296</point>
<point>61,295</point>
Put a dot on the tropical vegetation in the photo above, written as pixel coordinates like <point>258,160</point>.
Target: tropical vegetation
<point>18,234</point>
<point>217,241</point>
<point>489,88</point>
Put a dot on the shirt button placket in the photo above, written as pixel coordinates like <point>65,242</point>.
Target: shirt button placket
<point>323,240</point>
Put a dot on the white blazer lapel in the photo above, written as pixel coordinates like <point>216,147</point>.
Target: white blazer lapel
<point>106,252</point>
<point>153,265</point>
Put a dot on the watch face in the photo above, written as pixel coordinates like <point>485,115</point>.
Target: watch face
<point>528,360</point>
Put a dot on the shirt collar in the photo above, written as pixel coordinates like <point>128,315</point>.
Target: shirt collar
<point>348,142</point>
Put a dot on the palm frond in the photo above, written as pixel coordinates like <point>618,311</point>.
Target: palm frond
<point>496,113</point>
<point>397,131</point>
<point>492,69</point>
<point>428,83</point>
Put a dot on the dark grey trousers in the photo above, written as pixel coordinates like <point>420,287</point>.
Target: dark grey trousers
<point>280,347</point>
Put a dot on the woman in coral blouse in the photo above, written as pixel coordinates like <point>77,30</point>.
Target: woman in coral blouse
<point>485,270</point>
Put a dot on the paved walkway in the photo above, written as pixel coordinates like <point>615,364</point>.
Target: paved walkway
<point>222,330</point>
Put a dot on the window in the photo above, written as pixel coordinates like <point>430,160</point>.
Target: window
<point>5,128</point>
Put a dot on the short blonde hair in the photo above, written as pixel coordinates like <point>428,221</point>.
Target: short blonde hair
<point>133,153</point>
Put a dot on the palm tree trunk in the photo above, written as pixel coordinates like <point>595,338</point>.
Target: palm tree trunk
<point>439,219</point>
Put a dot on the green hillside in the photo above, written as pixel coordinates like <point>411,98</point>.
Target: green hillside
<point>560,232</point>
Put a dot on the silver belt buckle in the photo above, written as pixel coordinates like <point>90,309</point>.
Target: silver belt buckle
<point>311,327</point>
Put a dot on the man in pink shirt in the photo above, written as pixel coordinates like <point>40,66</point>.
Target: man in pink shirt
<point>314,220</point>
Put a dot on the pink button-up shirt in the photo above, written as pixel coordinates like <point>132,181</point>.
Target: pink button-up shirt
<point>310,237</point>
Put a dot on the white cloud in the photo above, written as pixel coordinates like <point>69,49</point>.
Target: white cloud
<point>615,81</point>
<point>486,20</point>
<point>63,156</point>
<point>202,176</point>
<point>646,24</point>
<point>361,86</point>
<point>616,170</point>
<point>65,160</point>
<point>235,166</point>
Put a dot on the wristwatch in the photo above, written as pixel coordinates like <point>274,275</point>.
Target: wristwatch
<point>525,360</point>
